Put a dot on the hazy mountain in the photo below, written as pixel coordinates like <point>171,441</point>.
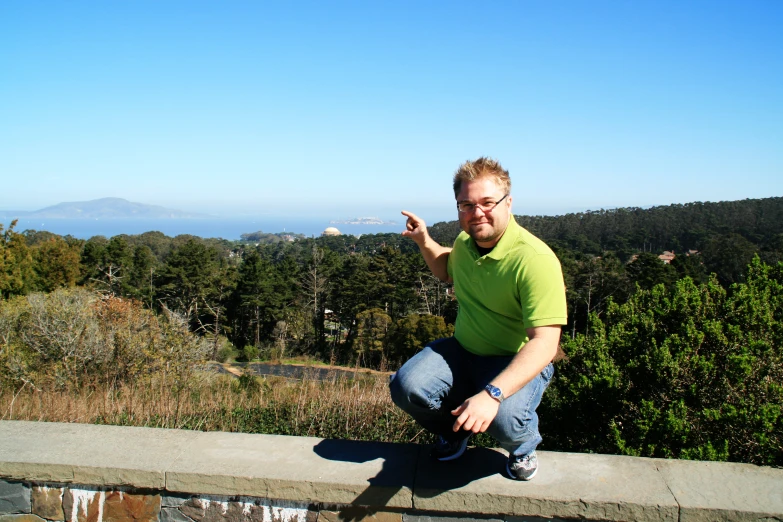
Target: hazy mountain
<point>105,208</point>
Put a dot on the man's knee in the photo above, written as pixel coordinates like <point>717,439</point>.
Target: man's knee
<point>399,395</point>
<point>420,382</point>
<point>403,384</point>
<point>513,428</point>
<point>517,420</point>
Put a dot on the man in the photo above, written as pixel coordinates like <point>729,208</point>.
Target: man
<point>509,285</point>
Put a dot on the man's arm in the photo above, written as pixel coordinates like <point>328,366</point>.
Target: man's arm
<point>435,255</point>
<point>478,412</point>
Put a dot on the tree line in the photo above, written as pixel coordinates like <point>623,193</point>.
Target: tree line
<point>679,227</point>
<point>307,295</point>
<point>338,298</point>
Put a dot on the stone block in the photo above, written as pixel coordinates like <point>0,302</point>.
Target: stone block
<point>539,519</point>
<point>118,505</point>
<point>90,505</point>
<point>171,514</point>
<point>358,514</point>
<point>297,468</point>
<point>24,517</point>
<point>47,452</point>
<point>48,502</point>
<point>81,504</point>
<point>167,501</point>
<point>427,518</point>
<point>568,485</point>
<point>217,509</point>
<point>200,509</point>
<point>14,497</point>
<point>708,491</point>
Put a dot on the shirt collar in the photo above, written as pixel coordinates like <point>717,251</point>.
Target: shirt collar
<point>507,240</point>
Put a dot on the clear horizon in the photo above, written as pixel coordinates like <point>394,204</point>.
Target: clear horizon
<point>346,110</point>
<point>249,216</point>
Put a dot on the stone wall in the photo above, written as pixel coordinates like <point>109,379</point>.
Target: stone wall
<point>26,502</point>
<point>77,472</point>
<point>70,503</point>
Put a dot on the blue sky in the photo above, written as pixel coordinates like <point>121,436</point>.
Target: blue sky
<point>345,109</point>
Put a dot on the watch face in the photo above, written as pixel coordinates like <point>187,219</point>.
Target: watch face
<point>495,392</point>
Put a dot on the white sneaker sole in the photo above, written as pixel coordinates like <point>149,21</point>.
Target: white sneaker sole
<point>511,475</point>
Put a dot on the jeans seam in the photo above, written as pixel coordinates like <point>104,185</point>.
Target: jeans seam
<point>537,380</point>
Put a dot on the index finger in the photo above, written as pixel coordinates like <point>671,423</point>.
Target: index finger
<point>410,215</point>
<point>459,412</point>
<point>459,422</point>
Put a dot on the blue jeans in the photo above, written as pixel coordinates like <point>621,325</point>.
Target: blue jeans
<point>443,375</point>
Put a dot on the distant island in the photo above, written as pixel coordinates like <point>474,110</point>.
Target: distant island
<point>362,221</point>
<point>104,208</point>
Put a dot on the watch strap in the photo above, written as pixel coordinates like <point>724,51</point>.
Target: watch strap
<point>495,392</point>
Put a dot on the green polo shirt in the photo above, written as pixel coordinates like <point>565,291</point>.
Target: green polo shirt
<point>518,285</point>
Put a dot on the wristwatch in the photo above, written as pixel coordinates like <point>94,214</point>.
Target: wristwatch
<point>495,392</point>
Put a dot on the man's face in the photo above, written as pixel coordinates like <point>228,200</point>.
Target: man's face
<point>485,227</point>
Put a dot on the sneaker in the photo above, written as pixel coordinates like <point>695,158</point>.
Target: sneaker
<point>448,450</point>
<point>522,467</point>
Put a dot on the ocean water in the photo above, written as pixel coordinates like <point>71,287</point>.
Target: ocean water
<point>207,228</point>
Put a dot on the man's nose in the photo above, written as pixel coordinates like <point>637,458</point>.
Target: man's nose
<point>477,209</point>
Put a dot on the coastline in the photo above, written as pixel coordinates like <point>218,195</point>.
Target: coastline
<point>223,228</point>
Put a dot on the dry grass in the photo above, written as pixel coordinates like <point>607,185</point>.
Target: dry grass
<point>76,356</point>
<point>357,409</point>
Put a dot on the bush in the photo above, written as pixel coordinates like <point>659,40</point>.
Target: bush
<point>250,353</point>
<point>409,335</point>
<point>227,352</point>
<point>75,336</point>
<point>691,372</point>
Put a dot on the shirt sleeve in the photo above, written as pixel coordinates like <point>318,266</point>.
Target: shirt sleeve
<point>542,292</point>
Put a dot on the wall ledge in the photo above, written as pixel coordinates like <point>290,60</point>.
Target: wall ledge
<point>397,478</point>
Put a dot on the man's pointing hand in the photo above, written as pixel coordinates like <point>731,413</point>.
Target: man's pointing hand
<point>415,228</point>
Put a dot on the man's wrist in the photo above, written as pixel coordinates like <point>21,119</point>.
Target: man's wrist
<point>495,392</point>
<point>427,242</point>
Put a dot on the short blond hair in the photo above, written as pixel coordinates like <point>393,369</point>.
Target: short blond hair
<point>471,170</point>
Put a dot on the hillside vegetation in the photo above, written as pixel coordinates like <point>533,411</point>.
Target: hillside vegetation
<point>628,231</point>
<point>678,360</point>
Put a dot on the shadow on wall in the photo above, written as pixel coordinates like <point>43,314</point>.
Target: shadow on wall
<point>397,473</point>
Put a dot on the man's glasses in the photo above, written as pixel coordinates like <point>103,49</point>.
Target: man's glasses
<point>487,206</point>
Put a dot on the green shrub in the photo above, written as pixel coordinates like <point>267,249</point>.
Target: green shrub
<point>227,352</point>
<point>76,336</point>
<point>250,353</point>
<point>690,372</point>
